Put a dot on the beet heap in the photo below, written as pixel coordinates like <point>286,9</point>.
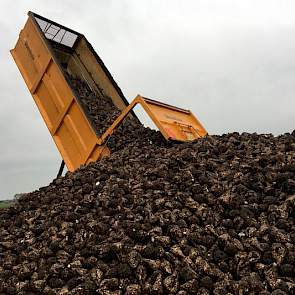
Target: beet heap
<point>214,216</point>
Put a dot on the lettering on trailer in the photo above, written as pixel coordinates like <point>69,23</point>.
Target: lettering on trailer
<point>173,118</point>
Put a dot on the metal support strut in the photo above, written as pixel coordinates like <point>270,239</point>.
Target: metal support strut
<point>61,169</point>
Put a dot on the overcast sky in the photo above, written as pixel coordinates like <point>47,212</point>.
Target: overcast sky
<point>231,62</point>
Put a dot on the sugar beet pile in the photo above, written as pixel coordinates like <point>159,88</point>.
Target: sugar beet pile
<point>214,216</point>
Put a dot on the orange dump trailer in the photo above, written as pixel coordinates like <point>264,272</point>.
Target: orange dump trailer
<point>40,53</point>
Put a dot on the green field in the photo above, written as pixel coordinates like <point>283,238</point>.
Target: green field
<point>5,204</point>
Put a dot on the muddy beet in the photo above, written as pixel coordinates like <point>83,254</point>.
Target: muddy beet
<point>215,216</point>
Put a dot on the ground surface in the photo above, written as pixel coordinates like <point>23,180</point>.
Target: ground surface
<point>5,204</point>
